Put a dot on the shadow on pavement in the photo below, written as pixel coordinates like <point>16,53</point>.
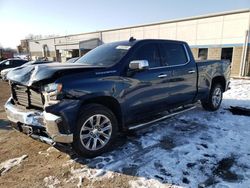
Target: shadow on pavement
<point>5,124</point>
<point>237,110</point>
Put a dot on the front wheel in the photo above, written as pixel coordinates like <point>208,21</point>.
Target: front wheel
<point>215,98</point>
<point>96,130</point>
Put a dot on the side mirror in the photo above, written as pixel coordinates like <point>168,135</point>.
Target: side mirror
<point>138,64</point>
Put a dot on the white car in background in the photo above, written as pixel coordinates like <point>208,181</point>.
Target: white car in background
<point>4,73</point>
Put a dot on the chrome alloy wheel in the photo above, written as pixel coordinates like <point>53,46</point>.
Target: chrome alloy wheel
<point>217,97</point>
<point>96,132</point>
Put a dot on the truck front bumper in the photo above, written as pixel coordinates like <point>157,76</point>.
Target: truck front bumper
<point>37,120</point>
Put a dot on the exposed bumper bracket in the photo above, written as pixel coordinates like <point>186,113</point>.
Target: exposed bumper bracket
<point>49,121</point>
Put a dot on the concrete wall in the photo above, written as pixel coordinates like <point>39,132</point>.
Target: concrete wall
<point>214,53</point>
<point>237,53</point>
<point>218,30</point>
<point>72,41</point>
<point>37,55</point>
<point>248,61</point>
<point>195,52</point>
<point>212,31</point>
<point>38,45</point>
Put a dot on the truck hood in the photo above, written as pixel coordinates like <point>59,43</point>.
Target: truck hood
<point>31,74</point>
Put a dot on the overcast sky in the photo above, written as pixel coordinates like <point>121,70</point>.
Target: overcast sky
<point>22,17</point>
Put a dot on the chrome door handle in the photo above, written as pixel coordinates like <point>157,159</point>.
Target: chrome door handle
<point>191,71</point>
<point>162,76</point>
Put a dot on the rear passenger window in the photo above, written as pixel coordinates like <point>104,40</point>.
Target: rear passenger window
<point>150,53</point>
<point>173,54</point>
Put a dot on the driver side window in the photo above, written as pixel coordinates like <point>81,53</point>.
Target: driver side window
<point>150,53</point>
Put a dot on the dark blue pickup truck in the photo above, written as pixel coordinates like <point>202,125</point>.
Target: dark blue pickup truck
<point>115,87</point>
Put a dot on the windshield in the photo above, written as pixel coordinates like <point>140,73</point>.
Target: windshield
<point>2,62</point>
<point>105,55</point>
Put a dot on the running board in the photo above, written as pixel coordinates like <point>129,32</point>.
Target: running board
<point>162,118</point>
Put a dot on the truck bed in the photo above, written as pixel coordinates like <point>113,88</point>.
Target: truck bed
<point>208,69</point>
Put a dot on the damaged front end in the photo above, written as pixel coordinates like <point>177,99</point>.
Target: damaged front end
<point>27,110</point>
<point>38,107</point>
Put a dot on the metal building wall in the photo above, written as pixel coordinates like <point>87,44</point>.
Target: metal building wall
<point>214,32</point>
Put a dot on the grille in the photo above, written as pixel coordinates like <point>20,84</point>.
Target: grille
<point>26,96</point>
<point>20,94</point>
<point>36,98</point>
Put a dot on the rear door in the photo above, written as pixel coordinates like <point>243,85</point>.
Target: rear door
<point>183,78</point>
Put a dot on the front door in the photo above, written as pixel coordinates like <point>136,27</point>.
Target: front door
<point>147,88</point>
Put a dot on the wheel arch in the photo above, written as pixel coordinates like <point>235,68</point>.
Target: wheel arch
<point>219,79</point>
<point>110,103</point>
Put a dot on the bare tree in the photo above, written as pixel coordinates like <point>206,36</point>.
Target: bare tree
<point>33,37</point>
<point>37,37</point>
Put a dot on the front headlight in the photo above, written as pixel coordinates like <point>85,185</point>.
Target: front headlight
<point>53,87</point>
<point>52,93</point>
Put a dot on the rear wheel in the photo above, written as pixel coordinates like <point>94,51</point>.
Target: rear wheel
<point>215,98</point>
<point>96,130</point>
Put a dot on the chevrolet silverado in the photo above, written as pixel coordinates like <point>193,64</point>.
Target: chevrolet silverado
<point>113,88</point>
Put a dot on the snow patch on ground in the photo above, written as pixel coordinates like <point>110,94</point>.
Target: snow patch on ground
<point>51,181</point>
<point>197,148</point>
<point>152,183</point>
<point>7,165</point>
<point>48,151</point>
<point>238,95</point>
<point>87,173</point>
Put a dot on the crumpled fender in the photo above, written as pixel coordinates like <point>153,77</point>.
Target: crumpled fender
<point>68,109</point>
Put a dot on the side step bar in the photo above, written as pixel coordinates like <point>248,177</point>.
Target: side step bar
<point>178,111</point>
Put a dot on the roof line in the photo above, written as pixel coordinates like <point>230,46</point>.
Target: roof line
<point>156,23</point>
<point>184,19</point>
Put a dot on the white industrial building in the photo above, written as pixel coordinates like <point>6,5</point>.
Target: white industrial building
<point>215,36</point>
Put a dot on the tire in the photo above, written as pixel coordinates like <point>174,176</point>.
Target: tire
<point>92,138</point>
<point>215,98</point>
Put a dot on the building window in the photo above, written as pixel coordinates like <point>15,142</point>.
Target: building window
<point>202,54</point>
<point>227,54</point>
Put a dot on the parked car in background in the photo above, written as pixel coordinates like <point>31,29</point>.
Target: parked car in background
<point>72,60</point>
<point>115,87</point>
<point>5,71</point>
<point>11,63</point>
